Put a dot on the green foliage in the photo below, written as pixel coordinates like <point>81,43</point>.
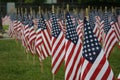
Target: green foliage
<point>24,1</point>
<point>5,27</point>
<point>28,1</point>
<point>79,1</point>
<point>115,60</point>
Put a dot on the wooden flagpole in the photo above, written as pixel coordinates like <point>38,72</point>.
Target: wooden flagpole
<point>33,59</point>
<point>67,7</point>
<point>31,13</point>
<point>40,58</point>
<point>41,65</point>
<point>53,10</point>
<point>102,32</point>
<point>26,51</point>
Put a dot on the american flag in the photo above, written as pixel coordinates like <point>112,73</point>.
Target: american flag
<point>62,25</point>
<point>114,24</point>
<point>18,30</point>
<point>15,23</point>
<point>38,41</point>
<point>25,33</point>
<point>73,50</point>
<point>46,37</point>
<point>10,31</point>
<point>95,26</point>
<point>99,25</point>
<point>79,28</point>
<point>11,28</point>
<point>32,36</point>
<point>94,63</point>
<point>58,45</point>
<point>23,37</point>
<point>110,38</point>
<point>119,20</point>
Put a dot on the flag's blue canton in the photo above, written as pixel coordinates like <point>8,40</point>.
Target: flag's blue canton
<point>48,15</point>
<point>31,23</point>
<point>106,24</point>
<point>74,19</point>
<point>100,14</point>
<point>91,46</point>
<point>25,21</point>
<point>76,23</point>
<point>71,33</point>
<point>43,22</point>
<point>19,18</point>
<point>39,24</point>
<point>13,17</point>
<point>81,16</point>
<point>92,20</point>
<point>38,16</point>
<point>55,27</point>
<point>113,18</point>
<point>61,15</point>
<point>96,13</point>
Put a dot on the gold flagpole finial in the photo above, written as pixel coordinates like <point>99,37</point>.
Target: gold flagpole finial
<point>53,9</point>
<point>105,8</point>
<point>112,9</point>
<point>39,10</point>
<point>87,14</point>
<point>25,10</point>
<point>67,7</point>
<point>31,11</point>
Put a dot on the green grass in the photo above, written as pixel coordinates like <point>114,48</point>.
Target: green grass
<point>115,60</point>
<point>5,27</point>
<point>14,64</point>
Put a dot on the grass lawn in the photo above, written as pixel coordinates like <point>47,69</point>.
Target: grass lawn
<point>14,64</point>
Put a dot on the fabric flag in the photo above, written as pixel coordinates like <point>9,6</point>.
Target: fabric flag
<point>32,36</point>
<point>73,49</point>
<point>23,37</point>
<point>26,33</point>
<point>95,26</point>
<point>15,23</point>
<point>46,37</point>
<point>10,31</point>
<point>16,26</point>
<point>38,41</point>
<point>58,45</point>
<point>119,20</point>
<point>100,23</point>
<point>94,63</point>
<point>62,25</point>
<point>79,28</point>
<point>110,38</point>
<point>114,24</point>
<point>19,26</point>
